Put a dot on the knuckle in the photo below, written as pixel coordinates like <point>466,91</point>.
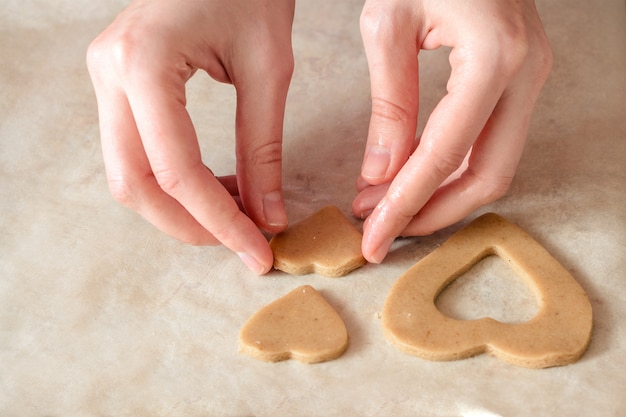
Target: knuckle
<point>94,55</point>
<point>275,63</point>
<point>514,59</point>
<point>501,49</point>
<point>369,21</point>
<point>520,45</point>
<point>543,59</point>
<point>495,190</point>
<point>225,230</point>
<point>514,42</point>
<point>403,209</point>
<point>100,62</point>
<point>506,59</point>
<point>514,48</point>
<point>374,21</point>
<point>445,162</point>
<point>385,23</point>
<point>266,154</point>
<point>281,69</point>
<point>116,52</point>
<point>388,110</point>
<point>122,190</point>
<point>491,188</point>
<point>124,50</point>
<point>169,179</point>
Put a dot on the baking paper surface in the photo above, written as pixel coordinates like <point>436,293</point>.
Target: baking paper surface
<point>101,314</point>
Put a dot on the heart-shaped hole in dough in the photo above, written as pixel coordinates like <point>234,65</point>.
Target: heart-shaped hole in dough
<point>489,289</point>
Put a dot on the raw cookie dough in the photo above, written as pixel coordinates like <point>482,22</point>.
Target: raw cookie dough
<point>325,243</point>
<point>558,335</point>
<point>300,325</point>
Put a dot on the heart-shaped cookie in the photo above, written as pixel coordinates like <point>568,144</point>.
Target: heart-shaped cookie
<point>325,243</point>
<point>559,334</point>
<point>300,325</point>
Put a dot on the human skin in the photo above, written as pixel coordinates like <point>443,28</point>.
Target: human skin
<point>139,66</point>
<point>466,156</point>
<point>472,142</point>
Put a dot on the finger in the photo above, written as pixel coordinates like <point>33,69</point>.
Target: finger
<point>158,103</point>
<point>361,184</point>
<point>490,168</point>
<point>476,83</point>
<point>370,195</point>
<point>129,174</point>
<point>367,199</point>
<point>391,49</point>
<point>229,182</point>
<point>262,85</point>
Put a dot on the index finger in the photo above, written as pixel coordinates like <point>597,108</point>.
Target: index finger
<point>157,99</point>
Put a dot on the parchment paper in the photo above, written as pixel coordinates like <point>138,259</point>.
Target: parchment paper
<point>103,315</point>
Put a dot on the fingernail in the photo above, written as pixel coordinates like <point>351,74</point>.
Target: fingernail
<point>376,163</point>
<point>365,213</point>
<point>381,252</point>
<point>274,209</point>
<point>251,263</point>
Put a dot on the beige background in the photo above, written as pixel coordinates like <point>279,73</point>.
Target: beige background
<point>100,314</point>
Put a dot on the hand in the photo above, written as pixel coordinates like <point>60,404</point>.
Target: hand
<point>139,66</point>
<point>469,150</point>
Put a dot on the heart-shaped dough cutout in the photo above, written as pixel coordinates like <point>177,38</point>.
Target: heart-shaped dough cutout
<point>558,335</point>
<point>300,325</point>
<point>325,243</point>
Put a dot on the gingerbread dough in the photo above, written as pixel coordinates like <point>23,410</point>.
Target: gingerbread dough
<point>300,325</point>
<point>325,243</point>
<point>558,335</point>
